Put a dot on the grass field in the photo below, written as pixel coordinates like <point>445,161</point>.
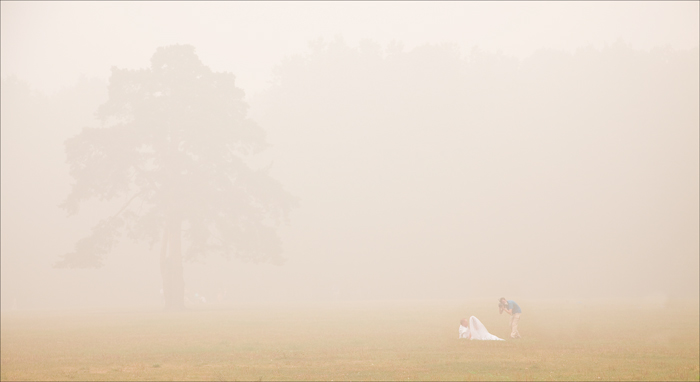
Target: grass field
<point>354,341</point>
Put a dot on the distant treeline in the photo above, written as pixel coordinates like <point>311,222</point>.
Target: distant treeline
<point>586,162</point>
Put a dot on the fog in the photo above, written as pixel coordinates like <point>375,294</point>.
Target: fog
<point>417,150</point>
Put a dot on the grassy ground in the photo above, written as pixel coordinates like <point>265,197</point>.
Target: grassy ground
<point>354,341</point>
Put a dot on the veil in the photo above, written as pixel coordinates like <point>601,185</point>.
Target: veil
<point>479,332</point>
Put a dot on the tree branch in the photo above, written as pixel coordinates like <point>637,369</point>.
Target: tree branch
<point>126,205</point>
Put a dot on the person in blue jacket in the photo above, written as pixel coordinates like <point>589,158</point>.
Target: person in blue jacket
<point>511,307</point>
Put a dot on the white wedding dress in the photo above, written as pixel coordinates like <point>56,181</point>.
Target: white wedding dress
<point>477,331</point>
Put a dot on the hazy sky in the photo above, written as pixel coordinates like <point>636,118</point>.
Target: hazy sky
<point>50,44</point>
<point>413,170</point>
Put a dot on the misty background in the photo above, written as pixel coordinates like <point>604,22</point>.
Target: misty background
<point>438,150</point>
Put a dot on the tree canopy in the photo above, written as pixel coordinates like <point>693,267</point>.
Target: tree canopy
<point>173,144</point>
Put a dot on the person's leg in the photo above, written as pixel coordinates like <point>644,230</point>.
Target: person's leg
<point>514,325</point>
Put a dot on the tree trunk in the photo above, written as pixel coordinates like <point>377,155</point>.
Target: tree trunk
<point>164,268</point>
<point>171,266</point>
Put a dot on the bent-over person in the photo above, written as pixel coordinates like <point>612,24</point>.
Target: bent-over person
<point>511,307</point>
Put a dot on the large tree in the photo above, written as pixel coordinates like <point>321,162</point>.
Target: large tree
<point>173,144</point>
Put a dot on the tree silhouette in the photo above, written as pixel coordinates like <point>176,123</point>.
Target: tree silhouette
<point>173,143</point>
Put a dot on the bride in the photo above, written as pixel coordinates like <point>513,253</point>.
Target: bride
<point>473,329</point>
